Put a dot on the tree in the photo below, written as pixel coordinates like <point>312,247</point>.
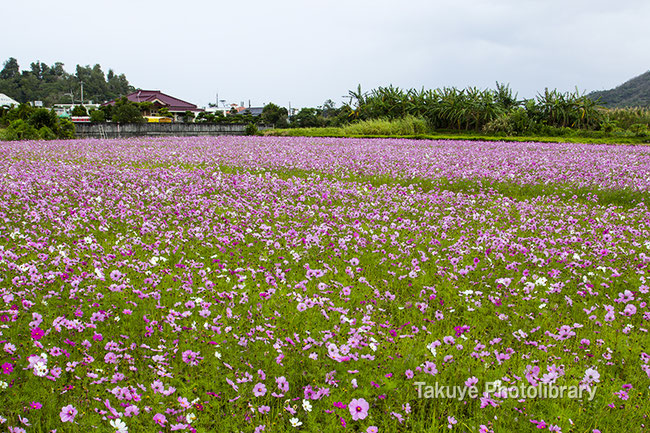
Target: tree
<point>79,111</point>
<point>164,112</point>
<point>126,111</point>
<point>97,116</point>
<point>275,115</point>
<point>188,117</point>
<point>11,69</point>
<point>42,117</point>
<point>306,118</point>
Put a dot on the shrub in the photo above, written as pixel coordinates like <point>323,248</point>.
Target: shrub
<point>46,133</point>
<point>97,116</point>
<point>515,122</point>
<point>20,130</point>
<point>79,111</point>
<point>251,129</point>
<point>66,129</point>
<point>408,125</point>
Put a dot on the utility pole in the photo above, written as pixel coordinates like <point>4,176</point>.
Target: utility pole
<point>82,93</point>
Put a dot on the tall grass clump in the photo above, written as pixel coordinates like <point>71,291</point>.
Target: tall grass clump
<point>408,125</point>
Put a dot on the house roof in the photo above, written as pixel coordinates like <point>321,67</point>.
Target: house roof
<point>255,111</point>
<point>156,96</point>
<point>6,101</point>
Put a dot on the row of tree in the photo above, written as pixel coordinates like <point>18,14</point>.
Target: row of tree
<point>29,123</point>
<point>490,110</point>
<point>53,85</point>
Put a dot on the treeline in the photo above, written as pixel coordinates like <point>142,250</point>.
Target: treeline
<point>25,122</point>
<point>496,111</point>
<point>473,109</point>
<point>53,85</point>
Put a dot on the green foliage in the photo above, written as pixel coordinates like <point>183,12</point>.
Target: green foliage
<point>97,116</point>
<point>306,118</point>
<point>66,129</point>
<point>41,117</point>
<point>386,127</point>
<point>624,118</point>
<point>10,69</point>
<point>632,93</point>
<point>205,117</point>
<point>251,129</point>
<point>639,129</point>
<point>126,111</point>
<point>188,117</point>
<point>274,115</point>
<point>570,109</point>
<point>52,84</point>
<point>164,112</point>
<point>79,111</point>
<point>29,123</point>
<point>46,133</point>
<point>20,130</point>
<point>514,122</point>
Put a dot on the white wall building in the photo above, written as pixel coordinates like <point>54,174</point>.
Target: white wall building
<point>6,101</point>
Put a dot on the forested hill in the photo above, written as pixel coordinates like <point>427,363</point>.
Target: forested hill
<point>632,93</point>
<point>52,84</point>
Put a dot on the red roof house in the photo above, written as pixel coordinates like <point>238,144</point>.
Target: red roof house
<point>160,100</point>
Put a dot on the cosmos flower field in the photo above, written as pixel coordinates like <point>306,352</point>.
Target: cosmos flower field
<point>308,284</point>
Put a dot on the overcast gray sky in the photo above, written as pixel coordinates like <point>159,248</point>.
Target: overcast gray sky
<point>305,52</point>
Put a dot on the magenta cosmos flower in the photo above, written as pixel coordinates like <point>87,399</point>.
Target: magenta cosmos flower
<point>37,333</point>
<point>358,409</point>
<point>68,413</point>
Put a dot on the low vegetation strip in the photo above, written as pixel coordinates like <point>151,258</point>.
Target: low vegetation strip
<point>298,284</point>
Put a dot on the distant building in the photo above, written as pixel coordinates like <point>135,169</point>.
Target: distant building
<point>255,111</point>
<point>64,110</point>
<point>6,101</point>
<point>177,107</point>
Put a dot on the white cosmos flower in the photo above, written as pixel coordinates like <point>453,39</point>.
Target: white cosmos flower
<point>190,417</point>
<point>40,369</point>
<point>119,426</point>
<point>295,422</point>
<point>306,405</point>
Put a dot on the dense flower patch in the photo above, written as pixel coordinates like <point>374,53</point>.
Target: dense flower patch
<point>282,284</point>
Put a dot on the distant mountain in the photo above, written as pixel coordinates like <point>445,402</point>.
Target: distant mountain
<point>632,93</point>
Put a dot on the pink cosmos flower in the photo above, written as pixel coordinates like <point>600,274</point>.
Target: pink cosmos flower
<point>283,384</point>
<point>630,310</point>
<point>68,413</point>
<point>7,368</point>
<point>132,411</point>
<point>430,368</point>
<point>160,419</point>
<point>259,390</point>
<point>191,358</point>
<point>358,409</point>
<point>372,429</point>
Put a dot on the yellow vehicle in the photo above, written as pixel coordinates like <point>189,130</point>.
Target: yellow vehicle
<point>158,119</point>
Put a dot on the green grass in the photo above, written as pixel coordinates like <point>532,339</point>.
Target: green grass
<point>412,129</point>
